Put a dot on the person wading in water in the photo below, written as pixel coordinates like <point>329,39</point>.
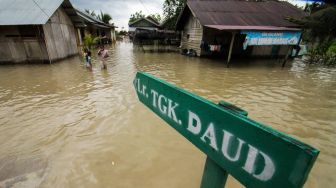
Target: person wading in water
<point>103,54</point>
<point>87,55</point>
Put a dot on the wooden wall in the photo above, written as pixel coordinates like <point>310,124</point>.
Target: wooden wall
<point>113,35</point>
<point>192,35</point>
<point>217,37</point>
<point>223,38</point>
<point>22,44</point>
<point>60,36</point>
<point>277,51</point>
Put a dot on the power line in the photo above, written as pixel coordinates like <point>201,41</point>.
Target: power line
<point>144,6</point>
<point>41,8</point>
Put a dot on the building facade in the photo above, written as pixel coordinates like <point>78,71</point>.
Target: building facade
<point>46,31</point>
<point>86,24</point>
<point>36,33</point>
<point>239,28</point>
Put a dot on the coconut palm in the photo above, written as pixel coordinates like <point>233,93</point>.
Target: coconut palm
<point>104,17</point>
<point>90,12</point>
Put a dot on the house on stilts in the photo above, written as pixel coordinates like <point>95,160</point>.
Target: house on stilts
<point>141,25</point>
<point>241,28</point>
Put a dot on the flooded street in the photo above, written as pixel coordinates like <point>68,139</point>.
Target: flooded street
<point>64,126</point>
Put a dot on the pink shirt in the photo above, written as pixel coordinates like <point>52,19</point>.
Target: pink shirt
<point>103,54</point>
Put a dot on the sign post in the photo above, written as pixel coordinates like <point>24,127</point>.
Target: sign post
<point>214,176</point>
<point>255,154</point>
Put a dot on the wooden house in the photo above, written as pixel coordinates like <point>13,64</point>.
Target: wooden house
<point>45,31</point>
<point>86,24</point>
<point>239,27</point>
<point>147,23</point>
<point>36,31</point>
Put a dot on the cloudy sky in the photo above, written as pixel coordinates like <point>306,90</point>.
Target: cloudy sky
<point>121,10</point>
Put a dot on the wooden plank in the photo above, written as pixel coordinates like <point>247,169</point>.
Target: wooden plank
<point>255,154</point>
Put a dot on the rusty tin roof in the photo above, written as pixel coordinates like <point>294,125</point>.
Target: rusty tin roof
<point>241,13</point>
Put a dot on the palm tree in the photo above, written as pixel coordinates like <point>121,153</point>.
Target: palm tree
<point>104,17</point>
<point>90,12</point>
<point>89,41</point>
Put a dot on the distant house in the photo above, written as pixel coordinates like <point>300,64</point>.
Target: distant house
<point>87,24</point>
<point>36,31</point>
<point>147,23</point>
<point>238,27</point>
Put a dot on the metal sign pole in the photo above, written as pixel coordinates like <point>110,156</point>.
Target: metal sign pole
<point>213,175</point>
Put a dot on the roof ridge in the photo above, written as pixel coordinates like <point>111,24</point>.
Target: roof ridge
<point>145,19</point>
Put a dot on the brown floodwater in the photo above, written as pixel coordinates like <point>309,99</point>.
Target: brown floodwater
<point>64,126</point>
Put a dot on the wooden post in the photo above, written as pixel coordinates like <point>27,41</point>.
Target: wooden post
<point>231,46</point>
<point>79,37</point>
<point>287,55</point>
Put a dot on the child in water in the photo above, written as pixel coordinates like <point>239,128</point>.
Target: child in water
<point>87,56</point>
<point>103,54</point>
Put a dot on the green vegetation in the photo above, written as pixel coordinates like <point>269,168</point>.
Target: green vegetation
<point>156,17</point>
<point>140,14</point>
<point>90,12</point>
<point>136,15</point>
<point>324,53</point>
<point>332,49</point>
<point>90,41</point>
<point>320,32</point>
<point>104,17</point>
<point>171,12</point>
<point>122,32</point>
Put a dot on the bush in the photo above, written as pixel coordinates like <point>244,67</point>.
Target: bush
<point>324,54</point>
<point>332,49</point>
<point>89,41</point>
<point>313,56</point>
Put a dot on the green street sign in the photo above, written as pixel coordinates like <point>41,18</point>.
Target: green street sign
<point>255,154</point>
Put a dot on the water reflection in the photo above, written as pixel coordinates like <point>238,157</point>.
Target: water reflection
<point>87,129</point>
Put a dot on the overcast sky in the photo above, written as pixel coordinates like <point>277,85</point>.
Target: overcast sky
<point>121,10</point>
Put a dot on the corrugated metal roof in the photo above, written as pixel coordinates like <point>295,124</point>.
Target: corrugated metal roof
<point>242,13</point>
<point>145,19</point>
<point>27,12</point>
<point>92,20</point>
<point>88,17</point>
